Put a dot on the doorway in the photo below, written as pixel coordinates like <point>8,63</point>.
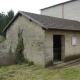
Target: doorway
<point>57,47</point>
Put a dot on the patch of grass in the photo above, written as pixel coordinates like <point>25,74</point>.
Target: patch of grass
<point>12,72</point>
<point>2,39</point>
<point>2,78</point>
<point>4,69</point>
<point>1,53</point>
<point>70,74</point>
<point>23,72</point>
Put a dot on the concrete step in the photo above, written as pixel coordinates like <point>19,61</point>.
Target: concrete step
<point>62,64</point>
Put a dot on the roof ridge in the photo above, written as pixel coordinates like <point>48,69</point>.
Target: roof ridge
<point>47,22</point>
<point>48,16</point>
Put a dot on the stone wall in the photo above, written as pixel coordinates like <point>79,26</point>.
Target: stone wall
<point>39,43</point>
<point>33,37</point>
<point>68,50</point>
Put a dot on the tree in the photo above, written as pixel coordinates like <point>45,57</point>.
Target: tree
<point>1,17</point>
<point>10,15</point>
<point>1,21</point>
<point>4,20</point>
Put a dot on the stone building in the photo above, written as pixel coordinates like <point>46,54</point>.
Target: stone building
<point>46,39</point>
<point>67,10</point>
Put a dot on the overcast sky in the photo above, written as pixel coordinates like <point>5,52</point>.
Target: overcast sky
<point>33,6</point>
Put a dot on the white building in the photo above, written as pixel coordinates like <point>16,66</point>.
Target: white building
<point>67,10</point>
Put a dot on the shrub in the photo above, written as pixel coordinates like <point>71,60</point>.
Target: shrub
<point>30,63</point>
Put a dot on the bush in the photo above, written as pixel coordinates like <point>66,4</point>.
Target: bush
<point>30,63</point>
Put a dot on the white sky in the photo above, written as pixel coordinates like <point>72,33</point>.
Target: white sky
<point>33,6</point>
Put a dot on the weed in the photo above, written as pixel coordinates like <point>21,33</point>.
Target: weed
<point>30,63</point>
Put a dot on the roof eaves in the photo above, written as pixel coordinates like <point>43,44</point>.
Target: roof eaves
<point>63,29</point>
<point>33,19</point>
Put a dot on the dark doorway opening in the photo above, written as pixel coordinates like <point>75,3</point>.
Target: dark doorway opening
<point>57,47</point>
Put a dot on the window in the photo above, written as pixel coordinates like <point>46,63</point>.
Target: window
<point>74,40</point>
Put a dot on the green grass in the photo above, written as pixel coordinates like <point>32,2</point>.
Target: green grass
<point>25,72</point>
<point>2,39</point>
<point>1,53</point>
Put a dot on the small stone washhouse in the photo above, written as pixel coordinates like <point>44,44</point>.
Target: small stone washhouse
<point>46,39</point>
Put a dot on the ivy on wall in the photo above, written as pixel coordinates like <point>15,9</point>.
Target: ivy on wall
<point>20,47</point>
<point>19,50</point>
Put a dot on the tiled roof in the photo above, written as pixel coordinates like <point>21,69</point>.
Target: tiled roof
<point>49,22</point>
<point>54,23</point>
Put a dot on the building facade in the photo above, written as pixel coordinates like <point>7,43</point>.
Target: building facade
<point>67,10</point>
